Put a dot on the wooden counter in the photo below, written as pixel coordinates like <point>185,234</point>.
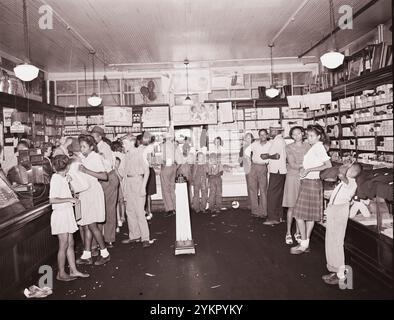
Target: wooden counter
<point>25,244</point>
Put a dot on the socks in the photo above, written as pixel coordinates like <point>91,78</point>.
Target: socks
<point>104,253</point>
<point>86,254</point>
<point>304,243</point>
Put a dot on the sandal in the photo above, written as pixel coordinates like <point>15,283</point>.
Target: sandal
<point>297,237</point>
<point>289,239</point>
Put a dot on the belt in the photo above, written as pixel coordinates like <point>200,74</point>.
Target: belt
<point>260,164</point>
<point>134,175</point>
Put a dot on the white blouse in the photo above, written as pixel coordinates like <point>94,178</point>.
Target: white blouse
<point>315,157</point>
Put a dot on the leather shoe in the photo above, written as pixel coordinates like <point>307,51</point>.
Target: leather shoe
<point>81,261</point>
<point>169,213</point>
<point>299,250</point>
<point>109,244</point>
<point>271,223</point>
<point>146,244</point>
<point>101,260</point>
<point>333,280</point>
<point>128,241</point>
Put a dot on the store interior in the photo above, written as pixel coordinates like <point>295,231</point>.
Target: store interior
<point>197,70</point>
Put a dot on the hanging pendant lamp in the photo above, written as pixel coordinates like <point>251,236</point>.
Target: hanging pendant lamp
<point>26,71</point>
<point>188,101</point>
<point>332,59</point>
<point>94,100</point>
<point>272,91</point>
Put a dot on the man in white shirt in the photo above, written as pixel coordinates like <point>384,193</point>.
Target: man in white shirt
<point>258,174</point>
<point>110,187</point>
<point>277,173</point>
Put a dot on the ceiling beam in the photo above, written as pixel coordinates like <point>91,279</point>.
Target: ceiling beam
<point>290,20</point>
<point>326,37</point>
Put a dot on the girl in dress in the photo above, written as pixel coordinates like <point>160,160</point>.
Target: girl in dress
<point>309,205</point>
<point>92,201</point>
<point>63,222</point>
<point>295,155</point>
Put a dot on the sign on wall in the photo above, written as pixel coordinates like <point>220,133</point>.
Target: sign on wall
<point>204,113</point>
<point>118,116</point>
<point>155,117</point>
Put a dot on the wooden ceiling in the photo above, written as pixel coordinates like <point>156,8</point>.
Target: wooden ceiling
<point>164,31</point>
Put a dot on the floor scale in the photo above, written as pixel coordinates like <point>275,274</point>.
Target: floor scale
<point>184,242</point>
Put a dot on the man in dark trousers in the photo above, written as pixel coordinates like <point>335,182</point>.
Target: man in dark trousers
<point>277,175</point>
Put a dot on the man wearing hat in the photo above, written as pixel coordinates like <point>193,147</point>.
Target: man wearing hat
<point>277,175</point>
<point>168,174</point>
<point>110,187</point>
<point>137,175</point>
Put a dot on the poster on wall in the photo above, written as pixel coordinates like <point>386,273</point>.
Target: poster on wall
<point>7,113</point>
<point>203,113</point>
<point>226,112</point>
<point>155,117</point>
<point>118,116</point>
<point>199,80</point>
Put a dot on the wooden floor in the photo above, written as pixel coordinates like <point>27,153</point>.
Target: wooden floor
<point>236,258</point>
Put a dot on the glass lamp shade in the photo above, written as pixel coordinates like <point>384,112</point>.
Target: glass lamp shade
<point>332,59</point>
<point>272,92</point>
<point>188,101</point>
<point>26,72</point>
<point>94,100</point>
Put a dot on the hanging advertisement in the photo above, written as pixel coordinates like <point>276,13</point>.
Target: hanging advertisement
<point>155,117</point>
<point>118,116</point>
<point>203,113</point>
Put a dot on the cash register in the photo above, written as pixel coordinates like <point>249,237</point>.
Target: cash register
<point>29,179</point>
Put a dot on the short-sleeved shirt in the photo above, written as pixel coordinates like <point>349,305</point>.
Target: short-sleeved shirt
<point>94,162</point>
<point>105,150</point>
<point>315,157</point>
<point>256,149</point>
<point>59,188</point>
<point>135,164</point>
<point>297,153</point>
<point>343,193</point>
<point>278,145</point>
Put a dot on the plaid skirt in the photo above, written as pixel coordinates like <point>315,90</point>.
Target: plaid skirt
<point>309,205</point>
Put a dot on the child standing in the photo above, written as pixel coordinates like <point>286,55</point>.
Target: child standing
<point>63,222</point>
<point>199,180</point>
<point>337,217</point>
<point>215,172</point>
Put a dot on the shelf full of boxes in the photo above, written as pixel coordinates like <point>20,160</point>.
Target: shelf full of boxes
<point>360,125</point>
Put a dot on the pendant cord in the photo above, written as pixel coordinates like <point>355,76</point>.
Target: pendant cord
<point>26,31</point>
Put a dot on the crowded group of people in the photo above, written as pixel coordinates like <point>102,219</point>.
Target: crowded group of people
<point>289,175</point>
<point>111,182</point>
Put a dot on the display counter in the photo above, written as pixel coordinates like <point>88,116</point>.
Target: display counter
<point>26,243</point>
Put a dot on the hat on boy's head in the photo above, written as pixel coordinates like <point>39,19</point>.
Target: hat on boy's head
<point>98,130</point>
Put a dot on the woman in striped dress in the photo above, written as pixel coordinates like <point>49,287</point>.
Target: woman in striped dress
<point>309,205</point>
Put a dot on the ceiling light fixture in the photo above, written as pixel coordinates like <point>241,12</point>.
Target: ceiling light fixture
<point>272,92</point>
<point>332,59</point>
<point>94,100</point>
<point>26,71</point>
<point>188,100</point>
